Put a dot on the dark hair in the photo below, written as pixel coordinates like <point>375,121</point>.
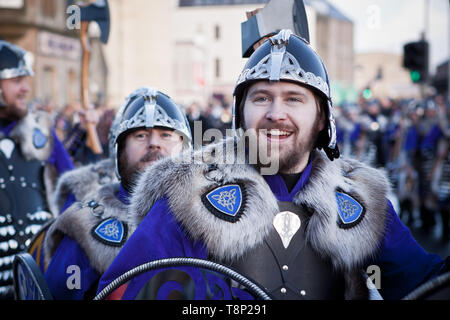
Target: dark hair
<point>322,137</point>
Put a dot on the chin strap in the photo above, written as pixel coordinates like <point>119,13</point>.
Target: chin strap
<point>2,101</point>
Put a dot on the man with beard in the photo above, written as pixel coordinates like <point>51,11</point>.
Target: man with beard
<point>308,230</point>
<point>31,158</point>
<point>83,241</point>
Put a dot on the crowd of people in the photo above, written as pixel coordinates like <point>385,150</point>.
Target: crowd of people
<point>410,139</point>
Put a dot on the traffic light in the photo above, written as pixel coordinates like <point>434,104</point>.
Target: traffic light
<point>415,58</point>
<point>367,94</point>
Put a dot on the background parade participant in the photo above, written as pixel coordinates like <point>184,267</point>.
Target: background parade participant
<point>441,171</point>
<point>77,184</point>
<point>90,233</point>
<point>31,158</point>
<point>430,133</point>
<point>305,232</point>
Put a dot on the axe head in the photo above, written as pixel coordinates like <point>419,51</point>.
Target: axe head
<point>275,16</point>
<point>98,12</point>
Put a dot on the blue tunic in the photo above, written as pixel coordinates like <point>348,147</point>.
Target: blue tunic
<point>69,253</point>
<point>160,236</point>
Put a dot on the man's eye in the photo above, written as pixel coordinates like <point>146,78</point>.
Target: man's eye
<point>166,135</point>
<point>261,99</point>
<point>141,135</point>
<point>295,99</point>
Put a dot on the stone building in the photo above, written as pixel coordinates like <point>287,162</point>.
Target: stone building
<point>40,27</point>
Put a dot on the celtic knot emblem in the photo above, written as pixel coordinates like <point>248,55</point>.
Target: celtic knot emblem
<point>226,202</point>
<point>226,199</point>
<point>348,209</point>
<point>111,230</point>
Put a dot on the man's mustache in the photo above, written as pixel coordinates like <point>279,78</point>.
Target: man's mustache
<point>151,156</point>
<point>275,126</point>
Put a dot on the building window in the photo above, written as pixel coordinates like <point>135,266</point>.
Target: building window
<point>71,86</point>
<point>48,8</point>
<point>218,67</point>
<point>49,89</point>
<point>217,32</point>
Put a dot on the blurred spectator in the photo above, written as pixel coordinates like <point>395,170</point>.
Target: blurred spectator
<point>75,139</point>
<point>103,126</point>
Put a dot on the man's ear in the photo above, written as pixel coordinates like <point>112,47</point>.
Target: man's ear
<point>2,101</point>
<point>322,121</point>
<point>322,111</point>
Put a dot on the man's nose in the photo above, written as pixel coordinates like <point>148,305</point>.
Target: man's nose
<point>154,141</point>
<point>24,85</point>
<point>276,111</point>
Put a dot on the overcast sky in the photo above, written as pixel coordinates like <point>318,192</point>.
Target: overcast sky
<point>385,25</point>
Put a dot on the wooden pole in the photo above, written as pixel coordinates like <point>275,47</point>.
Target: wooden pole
<point>92,141</point>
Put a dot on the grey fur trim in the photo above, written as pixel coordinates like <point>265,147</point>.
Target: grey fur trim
<point>348,249</point>
<point>77,222</point>
<point>50,180</point>
<point>183,184</point>
<point>23,135</point>
<point>84,181</point>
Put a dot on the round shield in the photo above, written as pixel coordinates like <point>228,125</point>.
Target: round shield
<point>29,283</point>
<point>187,279</point>
<point>435,289</point>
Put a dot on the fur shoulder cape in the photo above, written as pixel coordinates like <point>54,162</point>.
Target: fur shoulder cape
<point>84,181</point>
<point>33,135</point>
<point>78,222</point>
<point>24,134</point>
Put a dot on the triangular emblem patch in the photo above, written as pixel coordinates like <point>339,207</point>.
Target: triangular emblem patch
<point>226,202</point>
<point>111,232</point>
<point>350,211</point>
<point>39,139</point>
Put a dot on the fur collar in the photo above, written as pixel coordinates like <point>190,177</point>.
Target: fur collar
<point>78,222</point>
<point>185,182</point>
<point>23,134</point>
<point>84,181</point>
<point>349,248</point>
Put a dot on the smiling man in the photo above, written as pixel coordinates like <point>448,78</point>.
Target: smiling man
<point>288,118</point>
<point>90,233</point>
<point>308,231</point>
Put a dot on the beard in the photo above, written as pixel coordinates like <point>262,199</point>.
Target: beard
<point>284,159</point>
<point>129,173</point>
<point>13,112</point>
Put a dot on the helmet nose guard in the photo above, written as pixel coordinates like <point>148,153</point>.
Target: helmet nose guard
<point>287,57</point>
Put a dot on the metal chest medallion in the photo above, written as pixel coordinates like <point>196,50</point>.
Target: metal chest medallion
<point>7,147</point>
<point>287,224</point>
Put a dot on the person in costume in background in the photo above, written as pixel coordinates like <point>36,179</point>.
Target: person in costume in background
<point>31,159</point>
